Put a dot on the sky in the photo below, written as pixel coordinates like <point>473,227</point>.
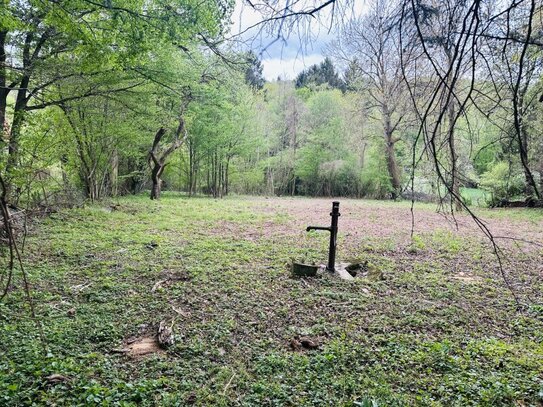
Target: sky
<point>287,58</point>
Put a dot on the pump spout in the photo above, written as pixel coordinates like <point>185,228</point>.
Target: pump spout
<point>318,228</point>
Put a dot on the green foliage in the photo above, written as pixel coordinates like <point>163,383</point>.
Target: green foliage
<point>378,346</point>
<point>103,104</point>
<point>375,179</point>
<point>475,196</point>
<point>501,182</point>
<point>325,165</point>
<point>118,71</point>
<point>253,73</point>
<point>320,74</point>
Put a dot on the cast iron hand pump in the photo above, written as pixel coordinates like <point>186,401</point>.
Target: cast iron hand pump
<point>333,235</point>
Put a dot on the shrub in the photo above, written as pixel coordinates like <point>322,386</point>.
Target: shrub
<point>501,182</point>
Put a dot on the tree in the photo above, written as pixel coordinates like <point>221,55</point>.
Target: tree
<point>217,129</point>
<point>319,74</point>
<point>439,29</point>
<point>253,73</point>
<point>516,70</point>
<point>177,84</point>
<point>159,154</point>
<point>372,43</point>
<point>352,75</point>
<point>46,45</point>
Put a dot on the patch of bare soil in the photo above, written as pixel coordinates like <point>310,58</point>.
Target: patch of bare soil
<point>467,278</point>
<point>142,347</point>
<point>248,231</point>
<point>365,219</point>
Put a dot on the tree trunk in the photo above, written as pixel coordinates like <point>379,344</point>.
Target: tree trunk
<point>213,176</point>
<point>156,182</point>
<point>4,91</point>
<point>392,164</point>
<point>208,180</point>
<point>195,179</point>
<point>393,170</point>
<point>65,179</point>
<point>456,198</point>
<point>221,179</point>
<point>18,119</point>
<point>455,181</point>
<point>86,170</point>
<point>541,177</point>
<point>293,184</point>
<point>530,186</point>
<point>159,161</point>
<point>294,147</point>
<point>20,106</point>
<point>191,169</point>
<point>226,168</point>
<point>155,190</point>
<point>115,173</point>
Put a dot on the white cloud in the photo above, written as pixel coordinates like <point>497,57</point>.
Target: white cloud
<point>288,68</point>
<point>243,17</point>
<point>288,58</point>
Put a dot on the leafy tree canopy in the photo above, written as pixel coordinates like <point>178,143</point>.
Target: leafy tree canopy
<point>320,74</point>
<point>253,73</point>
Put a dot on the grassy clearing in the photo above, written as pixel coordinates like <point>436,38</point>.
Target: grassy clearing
<point>439,328</point>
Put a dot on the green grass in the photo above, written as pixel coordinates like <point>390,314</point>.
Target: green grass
<point>417,337</point>
<point>475,196</point>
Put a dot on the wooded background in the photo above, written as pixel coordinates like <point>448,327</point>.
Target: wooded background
<point>421,99</point>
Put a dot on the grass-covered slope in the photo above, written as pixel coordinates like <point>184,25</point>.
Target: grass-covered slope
<point>437,327</point>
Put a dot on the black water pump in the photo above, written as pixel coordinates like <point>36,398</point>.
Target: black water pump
<point>333,235</point>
